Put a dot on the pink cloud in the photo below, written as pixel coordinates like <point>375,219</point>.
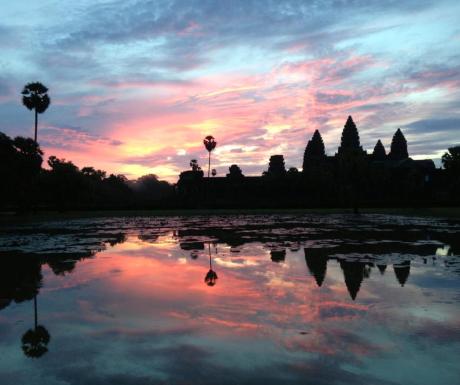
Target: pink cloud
<point>263,112</point>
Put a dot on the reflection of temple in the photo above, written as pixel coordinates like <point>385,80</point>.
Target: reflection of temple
<point>316,261</point>
<point>354,272</point>
<point>349,176</point>
<point>402,272</point>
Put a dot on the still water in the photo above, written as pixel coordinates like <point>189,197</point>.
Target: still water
<point>284,299</point>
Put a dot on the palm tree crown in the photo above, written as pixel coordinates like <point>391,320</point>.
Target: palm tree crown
<point>35,97</point>
<point>210,144</point>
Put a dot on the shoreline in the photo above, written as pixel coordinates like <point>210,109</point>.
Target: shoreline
<point>440,212</point>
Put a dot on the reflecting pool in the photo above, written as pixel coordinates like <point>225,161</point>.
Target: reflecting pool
<point>266,299</point>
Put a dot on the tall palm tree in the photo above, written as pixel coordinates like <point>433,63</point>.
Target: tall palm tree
<point>35,97</point>
<point>210,144</point>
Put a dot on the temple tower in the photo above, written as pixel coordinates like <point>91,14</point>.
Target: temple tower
<point>350,139</point>
<point>398,149</point>
<point>314,151</point>
<point>379,151</point>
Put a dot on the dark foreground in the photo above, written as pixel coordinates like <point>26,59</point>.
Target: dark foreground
<point>238,299</point>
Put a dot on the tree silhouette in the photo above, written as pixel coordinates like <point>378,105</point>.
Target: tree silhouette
<point>214,172</point>
<point>451,161</point>
<point>210,144</point>
<point>20,169</point>
<point>35,341</point>
<point>194,165</point>
<point>93,174</point>
<point>398,149</point>
<point>292,171</point>
<point>35,97</point>
<point>234,172</point>
<point>150,189</point>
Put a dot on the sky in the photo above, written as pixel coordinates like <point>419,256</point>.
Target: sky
<point>136,85</point>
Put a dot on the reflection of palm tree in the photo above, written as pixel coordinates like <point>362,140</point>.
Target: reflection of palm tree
<point>35,97</point>
<point>211,277</point>
<point>35,341</point>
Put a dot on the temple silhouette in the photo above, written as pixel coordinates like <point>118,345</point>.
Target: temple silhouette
<point>349,178</point>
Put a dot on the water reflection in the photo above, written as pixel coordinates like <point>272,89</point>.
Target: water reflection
<point>402,272</point>
<point>35,341</point>
<point>278,255</point>
<point>211,276</point>
<point>297,297</point>
<point>354,271</point>
<point>316,261</point>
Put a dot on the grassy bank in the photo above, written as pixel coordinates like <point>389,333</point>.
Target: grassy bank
<point>444,212</point>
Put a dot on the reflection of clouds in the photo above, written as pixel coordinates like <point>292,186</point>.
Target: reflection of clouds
<point>430,332</point>
<point>346,345</point>
<point>337,310</point>
<point>137,313</point>
<point>275,281</point>
<point>235,263</point>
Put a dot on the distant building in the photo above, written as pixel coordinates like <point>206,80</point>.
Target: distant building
<point>350,177</point>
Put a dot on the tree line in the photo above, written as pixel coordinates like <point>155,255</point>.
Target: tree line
<point>27,185</point>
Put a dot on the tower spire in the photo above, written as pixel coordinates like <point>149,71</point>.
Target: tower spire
<point>379,151</point>
<point>398,149</point>
<point>350,137</point>
<point>314,150</point>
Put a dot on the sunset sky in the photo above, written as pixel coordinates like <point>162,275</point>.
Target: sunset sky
<point>136,85</point>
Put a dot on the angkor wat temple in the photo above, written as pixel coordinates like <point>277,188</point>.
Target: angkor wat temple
<point>350,178</point>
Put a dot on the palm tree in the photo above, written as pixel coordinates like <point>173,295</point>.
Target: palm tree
<point>35,341</point>
<point>210,144</point>
<point>35,97</point>
<point>194,165</point>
